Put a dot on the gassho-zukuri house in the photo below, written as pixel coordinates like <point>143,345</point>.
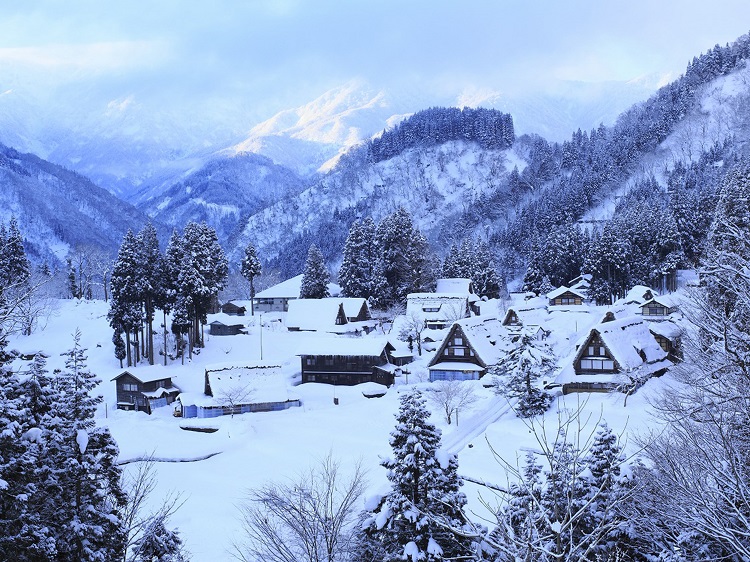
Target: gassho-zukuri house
<point>471,347</point>
<point>349,360</point>
<point>615,354</point>
<point>238,388</point>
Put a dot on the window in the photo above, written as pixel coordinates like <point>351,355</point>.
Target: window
<point>459,351</point>
<point>127,387</point>
<point>597,365</point>
<point>310,361</point>
<point>458,341</point>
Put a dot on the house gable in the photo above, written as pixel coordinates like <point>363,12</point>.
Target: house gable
<point>594,356</point>
<point>511,318</point>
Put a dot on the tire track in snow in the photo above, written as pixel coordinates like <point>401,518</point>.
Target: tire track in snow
<point>474,426</point>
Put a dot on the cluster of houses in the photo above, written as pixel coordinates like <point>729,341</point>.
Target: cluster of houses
<point>598,349</point>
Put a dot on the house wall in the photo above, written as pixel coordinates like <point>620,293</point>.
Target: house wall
<point>595,359</point>
<point>442,375</point>
<point>271,305</point>
<point>342,369</point>
<point>217,411</point>
<point>656,310</point>
<point>566,299</point>
<point>129,391</point>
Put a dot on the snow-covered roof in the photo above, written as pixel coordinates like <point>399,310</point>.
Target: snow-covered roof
<point>668,329</point>
<point>320,314</point>
<point>263,381</point>
<point>638,294</point>
<point>667,301</point>
<point>290,288</point>
<point>367,346</point>
<point>454,285</point>
<point>485,335</point>
<point>437,306</point>
<point>562,290</point>
<point>146,375</point>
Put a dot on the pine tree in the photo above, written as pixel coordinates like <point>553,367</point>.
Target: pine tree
<point>83,479</point>
<point>204,269</point>
<point>519,370</point>
<point>149,280</point>
<point>315,278</point>
<point>407,266</point>
<point>416,516</point>
<point>250,269</point>
<point>125,307</point>
<point>361,269</point>
<point>159,544</point>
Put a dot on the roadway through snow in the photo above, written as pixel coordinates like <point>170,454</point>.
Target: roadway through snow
<point>472,427</point>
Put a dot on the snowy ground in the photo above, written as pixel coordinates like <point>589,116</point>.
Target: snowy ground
<point>251,449</point>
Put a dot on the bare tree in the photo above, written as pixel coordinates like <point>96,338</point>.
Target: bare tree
<point>411,331</point>
<point>308,519</point>
<point>234,396</point>
<point>451,397</point>
<point>136,518</point>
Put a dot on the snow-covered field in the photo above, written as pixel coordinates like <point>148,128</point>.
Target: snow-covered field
<point>252,449</point>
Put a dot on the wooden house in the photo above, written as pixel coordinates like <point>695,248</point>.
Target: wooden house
<point>470,348</point>
<point>239,388</point>
<point>659,307</point>
<point>233,308</point>
<point>144,392</point>
<point>511,318</point>
<point>565,296</point>
<point>639,294</point>
<point>668,335</point>
<point>349,361</point>
<point>335,315</point>
<point>218,328</point>
<point>437,310</point>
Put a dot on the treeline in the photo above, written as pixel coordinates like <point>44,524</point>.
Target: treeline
<point>489,128</point>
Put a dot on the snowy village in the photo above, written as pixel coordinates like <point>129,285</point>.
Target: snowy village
<point>448,315</point>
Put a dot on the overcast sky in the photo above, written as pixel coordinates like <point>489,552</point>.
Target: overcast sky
<point>273,54</point>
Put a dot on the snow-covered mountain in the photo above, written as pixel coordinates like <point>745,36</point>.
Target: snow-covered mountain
<point>127,142</point>
<point>223,193</point>
<point>59,210</point>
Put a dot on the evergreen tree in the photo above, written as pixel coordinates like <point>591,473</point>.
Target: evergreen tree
<point>250,269</point>
<point>361,269</point>
<point>149,282</point>
<point>519,370</point>
<point>203,271</point>
<point>417,516</point>
<point>119,343</point>
<point>407,267</point>
<point>315,278</point>
<point>83,479</point>
<point>16,269</point>
<point>125,307</point>
<point>159,544</point>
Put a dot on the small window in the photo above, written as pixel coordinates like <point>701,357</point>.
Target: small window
<point>458,351</point>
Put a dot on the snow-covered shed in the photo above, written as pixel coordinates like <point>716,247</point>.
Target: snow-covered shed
<point>278,297</point>
<point>219,328</point>
<point>437,310</point>
<point>239,388</point>
<point>144,391</point>
<point>348,361</point>
<point>335,315</point>
<point>668,335</point>
<point>234,308</point>
<point>639,294</point>
<point>470,348</point>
